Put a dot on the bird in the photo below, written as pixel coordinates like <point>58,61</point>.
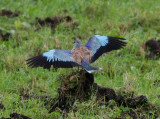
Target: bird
<point>80,56</point>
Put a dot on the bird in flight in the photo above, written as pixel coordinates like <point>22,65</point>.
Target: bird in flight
<point>80,55</point>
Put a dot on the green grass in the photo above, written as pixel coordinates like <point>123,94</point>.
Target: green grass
<point>137,21</point>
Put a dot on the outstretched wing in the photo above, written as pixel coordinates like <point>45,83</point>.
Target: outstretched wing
<point>101,44</point>
<point>57,58</point>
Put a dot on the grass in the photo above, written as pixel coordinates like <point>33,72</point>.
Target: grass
<point>137,21</point>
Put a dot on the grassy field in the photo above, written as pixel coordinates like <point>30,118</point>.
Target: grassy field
<point>135,20</point>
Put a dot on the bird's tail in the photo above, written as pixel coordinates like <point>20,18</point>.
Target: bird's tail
<point>89,68</point>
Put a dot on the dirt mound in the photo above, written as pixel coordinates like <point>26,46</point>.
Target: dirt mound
<point>9,13</point>
<point>154,49</point>
<point>54,21</point>
<point>4,36</point>
<point>16,116</point>
<point>151,49</point>
<point>85,87</point>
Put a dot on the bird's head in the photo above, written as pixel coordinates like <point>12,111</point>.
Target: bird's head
<point>77,44</point>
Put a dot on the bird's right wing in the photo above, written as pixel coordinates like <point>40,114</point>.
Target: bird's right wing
<point>100,44</point>
<point>57,58</point>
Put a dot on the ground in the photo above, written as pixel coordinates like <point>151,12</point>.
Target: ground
<point>31,27</point>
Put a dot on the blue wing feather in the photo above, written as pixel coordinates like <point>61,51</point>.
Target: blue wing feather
<point>57,58</point>
<point>101,44</point>
<point>95,42</point>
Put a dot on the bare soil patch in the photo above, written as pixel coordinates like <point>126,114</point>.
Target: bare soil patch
<point>84,88</point>
<point>9,13</point>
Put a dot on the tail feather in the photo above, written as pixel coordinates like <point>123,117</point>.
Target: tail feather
<point>89,68</point>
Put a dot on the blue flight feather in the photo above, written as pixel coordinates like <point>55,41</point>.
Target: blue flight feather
<point>56,57</point>
<point>101,44</point>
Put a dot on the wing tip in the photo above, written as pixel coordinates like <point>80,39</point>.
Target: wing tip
<point>118,41</point>
<point>110,37</point>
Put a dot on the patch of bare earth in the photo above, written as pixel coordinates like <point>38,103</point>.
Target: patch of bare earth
<point>54,21</point>
<point>151,49</point>
<point>4,36</point>
<point>9,13</point>
<point>84,88</point>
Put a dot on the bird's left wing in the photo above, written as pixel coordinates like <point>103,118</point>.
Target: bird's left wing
<point>100,44</point>
<point>56,57</point>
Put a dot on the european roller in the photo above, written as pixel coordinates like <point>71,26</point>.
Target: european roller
<point>81,56</point>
